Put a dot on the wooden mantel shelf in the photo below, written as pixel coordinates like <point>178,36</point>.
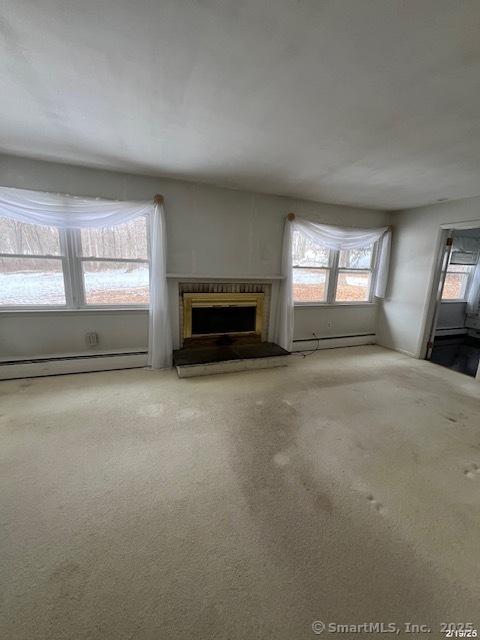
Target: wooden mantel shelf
<point>196,276</point>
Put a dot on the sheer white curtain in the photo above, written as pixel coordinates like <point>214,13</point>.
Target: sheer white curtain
<point>159,333</point>
<point>70,212</point>
<point>467,244</point>
<point>284,318</point>
<point>335,239</point>
<point>473,298</point>
<point>67,212</point>
<point>470,247</point>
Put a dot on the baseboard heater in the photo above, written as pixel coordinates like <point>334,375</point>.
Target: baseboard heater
<point>451,331</point>
<point>55,366</point>
<point>334,342</point>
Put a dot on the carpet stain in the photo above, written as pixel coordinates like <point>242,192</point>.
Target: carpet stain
<point>68,580</point>
<point>377,506</point>
<point>188,414</point>
<point>281,459</point>
<point>151,410</point>
<point>472,470</point>
<point>323,503</point>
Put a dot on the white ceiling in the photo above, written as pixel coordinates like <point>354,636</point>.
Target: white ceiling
<point>365,102</point>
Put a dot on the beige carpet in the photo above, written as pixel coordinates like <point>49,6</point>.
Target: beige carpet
<point>344,488</point>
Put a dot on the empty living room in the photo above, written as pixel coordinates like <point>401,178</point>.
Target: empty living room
<point>239,319</point>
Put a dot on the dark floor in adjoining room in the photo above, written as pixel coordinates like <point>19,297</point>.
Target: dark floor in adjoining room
<point>459,353</point>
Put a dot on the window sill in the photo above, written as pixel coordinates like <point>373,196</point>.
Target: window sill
<point>459,301</point>
<point>333,304</point>
<point>83,310</point>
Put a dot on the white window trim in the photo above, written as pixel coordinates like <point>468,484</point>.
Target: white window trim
<point>333,271</point>
<point>71,259</point>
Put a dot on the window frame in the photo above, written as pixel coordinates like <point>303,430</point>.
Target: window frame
<point>328,270</point>
<point>372,270</point>
<point>71,259</point>
<point>333,272</point>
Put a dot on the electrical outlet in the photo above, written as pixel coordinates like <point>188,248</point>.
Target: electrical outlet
<point>329,324</point>
<point>91,338</point>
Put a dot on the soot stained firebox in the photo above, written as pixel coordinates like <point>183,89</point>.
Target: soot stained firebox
<point>215,320</point>
<point>213,314</point>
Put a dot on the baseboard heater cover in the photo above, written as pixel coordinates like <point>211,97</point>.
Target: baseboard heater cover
<point>451,331</point>
<point>334,342</point>
<point>37,367</point>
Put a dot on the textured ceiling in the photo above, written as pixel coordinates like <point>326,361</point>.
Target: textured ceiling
<point>365,102</point>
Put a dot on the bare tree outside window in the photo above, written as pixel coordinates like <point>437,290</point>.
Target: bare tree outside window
<point>31,264</point>
<point>107,280</point>
<point>311,268</point>
<point>103,266</point>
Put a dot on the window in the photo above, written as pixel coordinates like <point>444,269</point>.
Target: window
<point>43,266</point>
<point>354,275</point>
<point>31,265</point>
<point>323,276</point>
<point>114,264</point>
<point>457,280</point>
<point>311,270</point>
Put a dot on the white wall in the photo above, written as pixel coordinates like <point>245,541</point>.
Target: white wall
<point>402,316</point>
<point>333,321</point>
<point>211,232</point>
<point>52,333</point>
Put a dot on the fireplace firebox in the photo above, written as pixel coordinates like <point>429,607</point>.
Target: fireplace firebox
<point>215,320</point>
<point>216,314</point>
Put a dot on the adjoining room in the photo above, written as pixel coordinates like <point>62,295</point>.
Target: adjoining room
<point>454,336</point>
<point>239,319</point>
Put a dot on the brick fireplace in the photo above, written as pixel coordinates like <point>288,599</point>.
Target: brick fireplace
<point>224,326</point>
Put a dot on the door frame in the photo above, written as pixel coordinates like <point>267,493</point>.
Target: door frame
<point>443,259</point>
<point>431,316</point>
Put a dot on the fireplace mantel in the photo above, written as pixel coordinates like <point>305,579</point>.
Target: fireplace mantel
<point>196,276</point>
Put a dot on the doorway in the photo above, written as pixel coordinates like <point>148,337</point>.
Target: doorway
<point>454,340</point>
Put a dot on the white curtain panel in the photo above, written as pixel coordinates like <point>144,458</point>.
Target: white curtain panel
<point>70,212</point>
<point>465,249</point>
<point>335,239</point>
<point>284,317</point>
<point>473,299</point>
<point>469,248</point>
<point>160,333</point>
<point>468,244</point>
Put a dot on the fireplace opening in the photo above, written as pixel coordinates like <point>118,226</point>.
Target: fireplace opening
<point>215,320</point>
<point>209,315</point>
